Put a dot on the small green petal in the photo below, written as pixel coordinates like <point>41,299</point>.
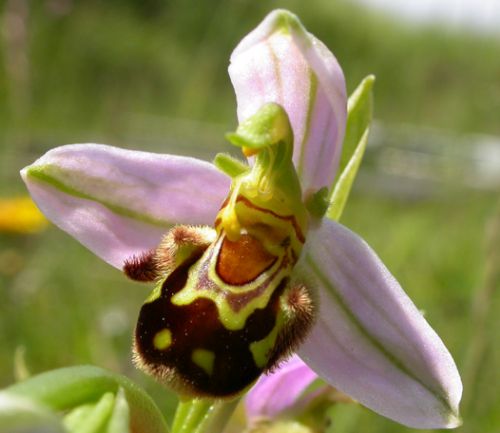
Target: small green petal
<point>53,175</point>
<point>228,165</point>
<point>360,110</point>
<point>360,107</point>
<point>317,203</point>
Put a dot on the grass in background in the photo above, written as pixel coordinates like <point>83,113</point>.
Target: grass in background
<point>91,65</point>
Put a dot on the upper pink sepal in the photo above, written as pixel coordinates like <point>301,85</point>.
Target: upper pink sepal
<point>118,202</point>
<point>281,62</point>
<point>375,344</point>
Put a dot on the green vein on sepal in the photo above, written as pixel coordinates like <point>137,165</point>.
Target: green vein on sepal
<point>48,173</point>
<point>325,281</point>
<point>359,115</point>
<point>313,89</point>
<point>228,165</point>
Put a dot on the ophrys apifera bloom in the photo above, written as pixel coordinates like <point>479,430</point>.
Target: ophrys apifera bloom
<point>248,262</point>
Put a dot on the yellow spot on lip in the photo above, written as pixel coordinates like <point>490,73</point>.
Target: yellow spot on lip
<point>163,339</point>
<point>205,359</point>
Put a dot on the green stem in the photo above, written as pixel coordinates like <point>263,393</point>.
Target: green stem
<point>203,415</point>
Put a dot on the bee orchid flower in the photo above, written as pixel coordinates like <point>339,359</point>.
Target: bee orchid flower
<point>248,261</point>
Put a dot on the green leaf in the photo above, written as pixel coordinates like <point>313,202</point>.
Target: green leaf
<point>120,418</point>
<point>91,418</point>
<point>76,420</point>
<point>67,388</point>
<point>360,106</point>
<point>201,415</point>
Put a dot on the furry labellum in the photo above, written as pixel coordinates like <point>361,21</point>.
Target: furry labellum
<point>223,310</point>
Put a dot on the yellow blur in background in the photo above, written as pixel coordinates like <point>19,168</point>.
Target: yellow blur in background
<point>20,215</point>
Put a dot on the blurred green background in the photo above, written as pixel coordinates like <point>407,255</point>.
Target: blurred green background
<point>152,75</point>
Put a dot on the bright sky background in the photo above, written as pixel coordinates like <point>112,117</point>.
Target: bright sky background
<point>479,15</point>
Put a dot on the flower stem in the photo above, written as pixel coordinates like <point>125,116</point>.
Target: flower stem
<point>203,415</point>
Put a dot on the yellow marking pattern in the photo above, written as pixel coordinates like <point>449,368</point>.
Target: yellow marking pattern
<point>163,339</point>
<point>229,318</point>
<point>205,359</point>
<point>261,349</point>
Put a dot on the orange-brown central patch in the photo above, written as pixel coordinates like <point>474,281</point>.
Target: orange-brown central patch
<point>242,261</point>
